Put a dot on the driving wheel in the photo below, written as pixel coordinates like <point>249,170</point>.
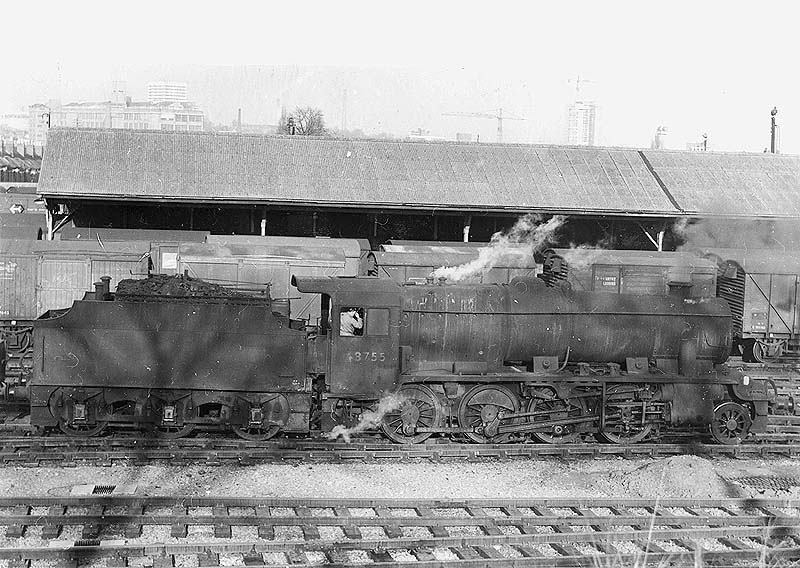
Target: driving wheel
<point>557,409</point>
<point>482,410</point>
<point>420,408</point>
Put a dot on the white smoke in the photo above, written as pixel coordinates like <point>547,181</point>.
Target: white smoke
<point>528,231</point>
<point>581,257</point>
<point>773,234</point>
<point>369,419</point>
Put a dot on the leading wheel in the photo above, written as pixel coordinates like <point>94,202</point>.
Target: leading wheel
<point>420,408</point>
<point>731,423</point>
<point>257,433</point>
<point>482,409</point>
<point>557,409</point>
<point>81,430</point>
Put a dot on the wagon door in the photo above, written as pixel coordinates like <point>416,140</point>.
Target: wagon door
<point>782,304</point>
<point>364,360</point>
<point>756,304</point>
<point>61,281</point>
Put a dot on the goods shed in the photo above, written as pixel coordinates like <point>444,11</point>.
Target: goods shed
<point>381,189</point>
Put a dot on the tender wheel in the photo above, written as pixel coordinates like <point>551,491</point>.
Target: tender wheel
<point>257,433</point>
<point>173,432</point>
<point>731,423</point>
<point>420,408</point>
<point>81,430</point>
<point>623,424</point>
<point>557,409</point>
<point>752,352</point>
<point>482,409</point>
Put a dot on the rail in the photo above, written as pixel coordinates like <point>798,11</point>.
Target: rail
<point>165,531</point>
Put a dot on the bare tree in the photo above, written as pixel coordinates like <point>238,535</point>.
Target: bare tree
<point>305,121</point>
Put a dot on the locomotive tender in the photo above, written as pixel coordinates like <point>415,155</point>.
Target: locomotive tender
<point>487,362</point>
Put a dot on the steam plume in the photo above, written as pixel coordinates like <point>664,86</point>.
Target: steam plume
<point>527,231</point>
<point>369,419</point>
<point>581,257</point>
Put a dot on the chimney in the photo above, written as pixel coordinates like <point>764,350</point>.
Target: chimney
<point>106,280</point>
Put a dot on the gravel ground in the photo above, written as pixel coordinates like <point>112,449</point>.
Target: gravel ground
<point>673,477</point>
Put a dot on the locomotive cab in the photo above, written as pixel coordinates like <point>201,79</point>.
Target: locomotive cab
<point>363,334</point>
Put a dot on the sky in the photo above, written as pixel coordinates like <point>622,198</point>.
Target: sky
<point>695,67</point>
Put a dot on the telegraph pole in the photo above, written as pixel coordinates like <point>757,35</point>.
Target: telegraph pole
<point>773,130</point>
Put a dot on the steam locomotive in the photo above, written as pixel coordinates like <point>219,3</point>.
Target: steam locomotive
<point>490,363</point>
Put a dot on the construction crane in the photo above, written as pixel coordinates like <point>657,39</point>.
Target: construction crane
<point>578,82</point>
<point>494,113</point>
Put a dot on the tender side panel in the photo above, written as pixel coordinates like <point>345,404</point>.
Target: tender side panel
<point>170,345</point>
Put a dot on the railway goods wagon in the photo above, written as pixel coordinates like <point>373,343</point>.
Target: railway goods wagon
<point>496,362</point>
<point>416,262</point>
<point>253,262</point>
<point>43,275</point>
<point>25,227</point>
<point>171,363</point>
<point>761,287</point>
<point>37,276</point>
<point>354,250</point>
<point>127,235</point>
<point>20,198</point>
<point>631,271</point>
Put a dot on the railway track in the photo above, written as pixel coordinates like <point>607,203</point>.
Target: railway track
<point>65,451</point>
<point>18,446</point>
<point>164,532</point>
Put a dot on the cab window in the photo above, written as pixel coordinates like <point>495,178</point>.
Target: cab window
<point>351,321</point>
<point>377,321</point>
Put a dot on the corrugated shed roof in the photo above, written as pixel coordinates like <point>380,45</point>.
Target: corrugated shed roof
<point>749,185</point>
<point>150,165</point>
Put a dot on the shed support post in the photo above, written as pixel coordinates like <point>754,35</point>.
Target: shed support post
<point>264,223</point>
<point>49,222</point>
<point>435,228</point>
<point>467,225</point>
<point>658,242</point>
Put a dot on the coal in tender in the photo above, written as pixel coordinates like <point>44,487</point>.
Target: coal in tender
<point>179,285</point>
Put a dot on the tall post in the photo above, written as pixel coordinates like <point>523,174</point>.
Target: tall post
<point>773,128</point>
<point>500,126</point>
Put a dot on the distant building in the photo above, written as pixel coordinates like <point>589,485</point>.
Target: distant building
<point>421,134</point>
<point>120,112</point>
<point>660,139</point>
<point>696,146</point>
<point>167,92</point>
<point>465,137</point>
<point>582,123</point>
